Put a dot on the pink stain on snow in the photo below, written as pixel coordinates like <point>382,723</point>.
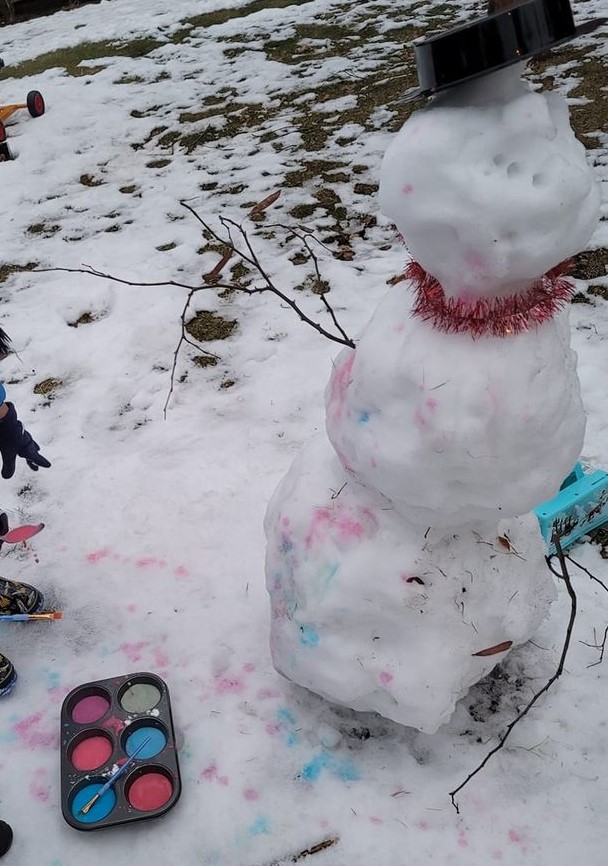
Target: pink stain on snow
<point>39,787</point>
<point>386,678</point>
<point>98,555</point>
<point>28,732</point>
<point>132,607</point>
<point>161,660</point>
<point>264,694</point>
<point>340,381</point>
<point>210,774</point>
<point>475,260</point>
<point>227,685</point>
<point>431,404</point>
<point>249,667</point>
<point>375,820</point>
<point>272,728</point>
<point>497,855</point>
<point>407,189</point>
<point>150,561</point>
<point>345,524</point>
<point>420,420</point>
<point>462,840</point>
<point>518,839</point>
<point>251,794</point>
<point>133,650</point>
<point>181,571</point>
<point>422,825</point>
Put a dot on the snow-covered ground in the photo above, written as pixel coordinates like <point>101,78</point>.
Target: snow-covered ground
<point>154,547</point>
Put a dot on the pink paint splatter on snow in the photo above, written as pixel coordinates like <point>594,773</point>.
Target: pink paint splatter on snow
<point>249,667</point>
<point>407,189</point>
<point>375,820</point>
<point>98,555</point>
<point>210,774</point>
<point>272,728</point>
<point>462,840</point>
<point>251,794</point>
<point>30,734</point>
<point>340,382</point>
<point>227,685</point>
<point>181,572</point>
<point>419,419</point>
<point>431,404</point>
<point>497,855</point>
<point>518,838</point>
<point>150,561</point>
<point>265,694</point>
<point>161,659</point>
<point>40,788</point>
<point>133,650</point>
<point>475,260</point>
<point>385,678</point>
<point>132,607</point>
<point>422,825</point>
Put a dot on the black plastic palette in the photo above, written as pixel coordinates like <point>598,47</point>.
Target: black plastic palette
<point>102,724</point>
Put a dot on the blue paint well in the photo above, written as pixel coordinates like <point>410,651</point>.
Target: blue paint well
<point>100,810</point>
<point>157,742</point>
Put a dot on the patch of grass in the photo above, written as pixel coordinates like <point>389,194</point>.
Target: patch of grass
<point>207,326</point>
<point>127,190</point>
<point>158,163</point>
<point>43,229</point>
<point>221,16</point>
<point>88,180</point>
<point>85,319</point>
<point>69,58</point>
<point>8,269</point>
<point>599,291</point>
<point>48,387</point>
<point>164,248</point>
<point>591,264</point>
<point>204,361</point>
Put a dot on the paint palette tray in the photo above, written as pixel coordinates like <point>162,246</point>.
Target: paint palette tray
<point>103,724</point>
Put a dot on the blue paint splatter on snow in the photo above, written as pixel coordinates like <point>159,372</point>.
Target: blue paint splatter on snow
<point>344,770</point>
<point>285,716</point>
<point>259,826</point>
<point>308,636</point>
<point>286,544</point>
<point>53,678</point>
<point>363,417</point>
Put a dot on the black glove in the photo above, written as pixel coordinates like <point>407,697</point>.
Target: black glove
<point>15,442</point>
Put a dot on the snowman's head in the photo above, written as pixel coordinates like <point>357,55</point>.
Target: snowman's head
<point>489,187</point>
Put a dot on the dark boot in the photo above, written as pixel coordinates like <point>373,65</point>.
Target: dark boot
<point>8,675</point>
<point>19,597</point>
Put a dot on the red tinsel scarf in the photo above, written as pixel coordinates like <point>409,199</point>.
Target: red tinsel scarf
<point>494,317</point>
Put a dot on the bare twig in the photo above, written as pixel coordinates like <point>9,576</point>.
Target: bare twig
<point>587,572</point>
<point>573,605</point>
<point>601,646</point>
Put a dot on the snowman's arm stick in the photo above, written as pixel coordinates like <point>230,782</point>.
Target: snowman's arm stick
<point>573,606</point>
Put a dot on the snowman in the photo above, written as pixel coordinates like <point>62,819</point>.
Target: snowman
<point>403,561</point>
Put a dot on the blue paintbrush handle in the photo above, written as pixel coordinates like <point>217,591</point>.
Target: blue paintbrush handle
<point>122,769</point>
<point>105,787</point>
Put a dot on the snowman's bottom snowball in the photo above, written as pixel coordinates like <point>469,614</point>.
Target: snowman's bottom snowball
<point>375,614</point>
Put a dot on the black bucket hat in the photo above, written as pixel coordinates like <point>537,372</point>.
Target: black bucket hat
<point>493,42</point>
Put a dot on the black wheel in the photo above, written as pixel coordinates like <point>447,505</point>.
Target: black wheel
<point>35,103</point>
<point>5,153</point>
<point>2,132</point>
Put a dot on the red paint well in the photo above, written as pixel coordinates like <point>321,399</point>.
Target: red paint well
<point>92,753</point>
<point>150,791</point>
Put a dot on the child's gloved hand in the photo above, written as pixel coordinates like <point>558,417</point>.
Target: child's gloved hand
<point>15,442</point>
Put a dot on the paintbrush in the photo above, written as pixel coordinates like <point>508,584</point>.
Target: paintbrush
<point>106,787</point>
<point>30,617</point>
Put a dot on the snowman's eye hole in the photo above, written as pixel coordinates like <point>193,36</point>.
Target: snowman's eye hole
<point>513,169</point>
<point>538,179</point>
<point>499,159</point>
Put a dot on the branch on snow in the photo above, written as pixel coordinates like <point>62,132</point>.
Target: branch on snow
<point>236,242</point>
<point>561,575</point>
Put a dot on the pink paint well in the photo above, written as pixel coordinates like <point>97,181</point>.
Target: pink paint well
<point>90,709</point>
